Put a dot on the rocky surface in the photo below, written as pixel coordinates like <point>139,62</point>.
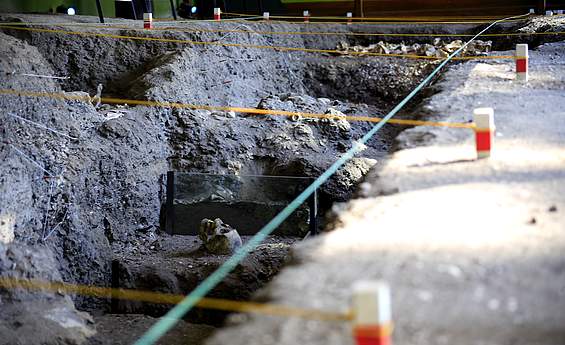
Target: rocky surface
<point>438,48</point>
<point>36,316</point>
<point>125,329</point>
<point>177,264</point>
<point>76,196</point>
<point>275,145</point>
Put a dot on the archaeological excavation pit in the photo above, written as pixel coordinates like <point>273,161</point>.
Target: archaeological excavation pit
<point>135,180</point>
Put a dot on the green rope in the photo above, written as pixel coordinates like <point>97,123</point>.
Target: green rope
<point>175,314</point>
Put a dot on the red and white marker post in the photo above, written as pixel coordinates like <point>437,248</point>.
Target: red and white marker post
<point>522,62</point>
<point>306,16</point>
<point>266,15</point>
<point>372,323</point>
<point>484,131</point>
<point>148,20</point>
<point>349,18</point>
<point>217,13</point>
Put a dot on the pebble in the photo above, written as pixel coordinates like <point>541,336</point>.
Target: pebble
<point>493,304</point>
<point>512,304</point>
<point>425,295</point>
<point>452,270</point>
<point>365,188</point>
<point>479,293</point>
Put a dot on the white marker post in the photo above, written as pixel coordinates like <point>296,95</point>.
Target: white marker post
<point>522,62</point>
<point>306,16</point>
<point>371,304</point>
<point>266,15</point>
<point>484,131</point>
<point>217,13</point>
<point>148,20</point>
<point>349,18</point>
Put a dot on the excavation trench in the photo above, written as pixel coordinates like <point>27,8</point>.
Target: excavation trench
<point>112,202</point>
<point>212,144</point>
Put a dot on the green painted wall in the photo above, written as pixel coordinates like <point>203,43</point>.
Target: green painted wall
<point>161,8</point>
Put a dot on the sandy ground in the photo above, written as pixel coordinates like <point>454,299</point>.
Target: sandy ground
<point>178,264</point>
<point>119,329</point>
<point>473,250</point>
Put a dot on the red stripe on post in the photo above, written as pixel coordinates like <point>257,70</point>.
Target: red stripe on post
<point>521,65</point>
<point>372,340</point>
<point>373,335</point>
<point>148,20</point>
<point>483,140</point>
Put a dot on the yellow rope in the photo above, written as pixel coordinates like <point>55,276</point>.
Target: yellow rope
<point>253,46</point>
<point>374,18</point>
<point>158,297</point>
<point>399,19</point>
<point>366,23</point>
<point>252,111</point>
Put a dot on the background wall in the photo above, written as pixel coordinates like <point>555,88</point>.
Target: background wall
<point>85,7</point>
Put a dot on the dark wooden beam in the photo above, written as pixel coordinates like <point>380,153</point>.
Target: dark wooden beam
<point>99,9</point>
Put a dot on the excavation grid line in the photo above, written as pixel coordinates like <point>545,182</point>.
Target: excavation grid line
<point>250,111</point>
<point>167,298</point>
<point>253,46</point>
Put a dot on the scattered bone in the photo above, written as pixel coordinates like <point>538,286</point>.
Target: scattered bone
<point>438,49</point>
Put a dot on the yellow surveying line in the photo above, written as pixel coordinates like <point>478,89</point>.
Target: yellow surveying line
<point>399,19</point>
<point>323,33</point>
<point>300,22</point>
<point>252,111</point>
<point>159,297</point>
<point>297,33</point>
<point>338,20</point>
<point>314,33</point>
<point>254,46</point>
<point>381,20</point>
<point>395,18</point>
